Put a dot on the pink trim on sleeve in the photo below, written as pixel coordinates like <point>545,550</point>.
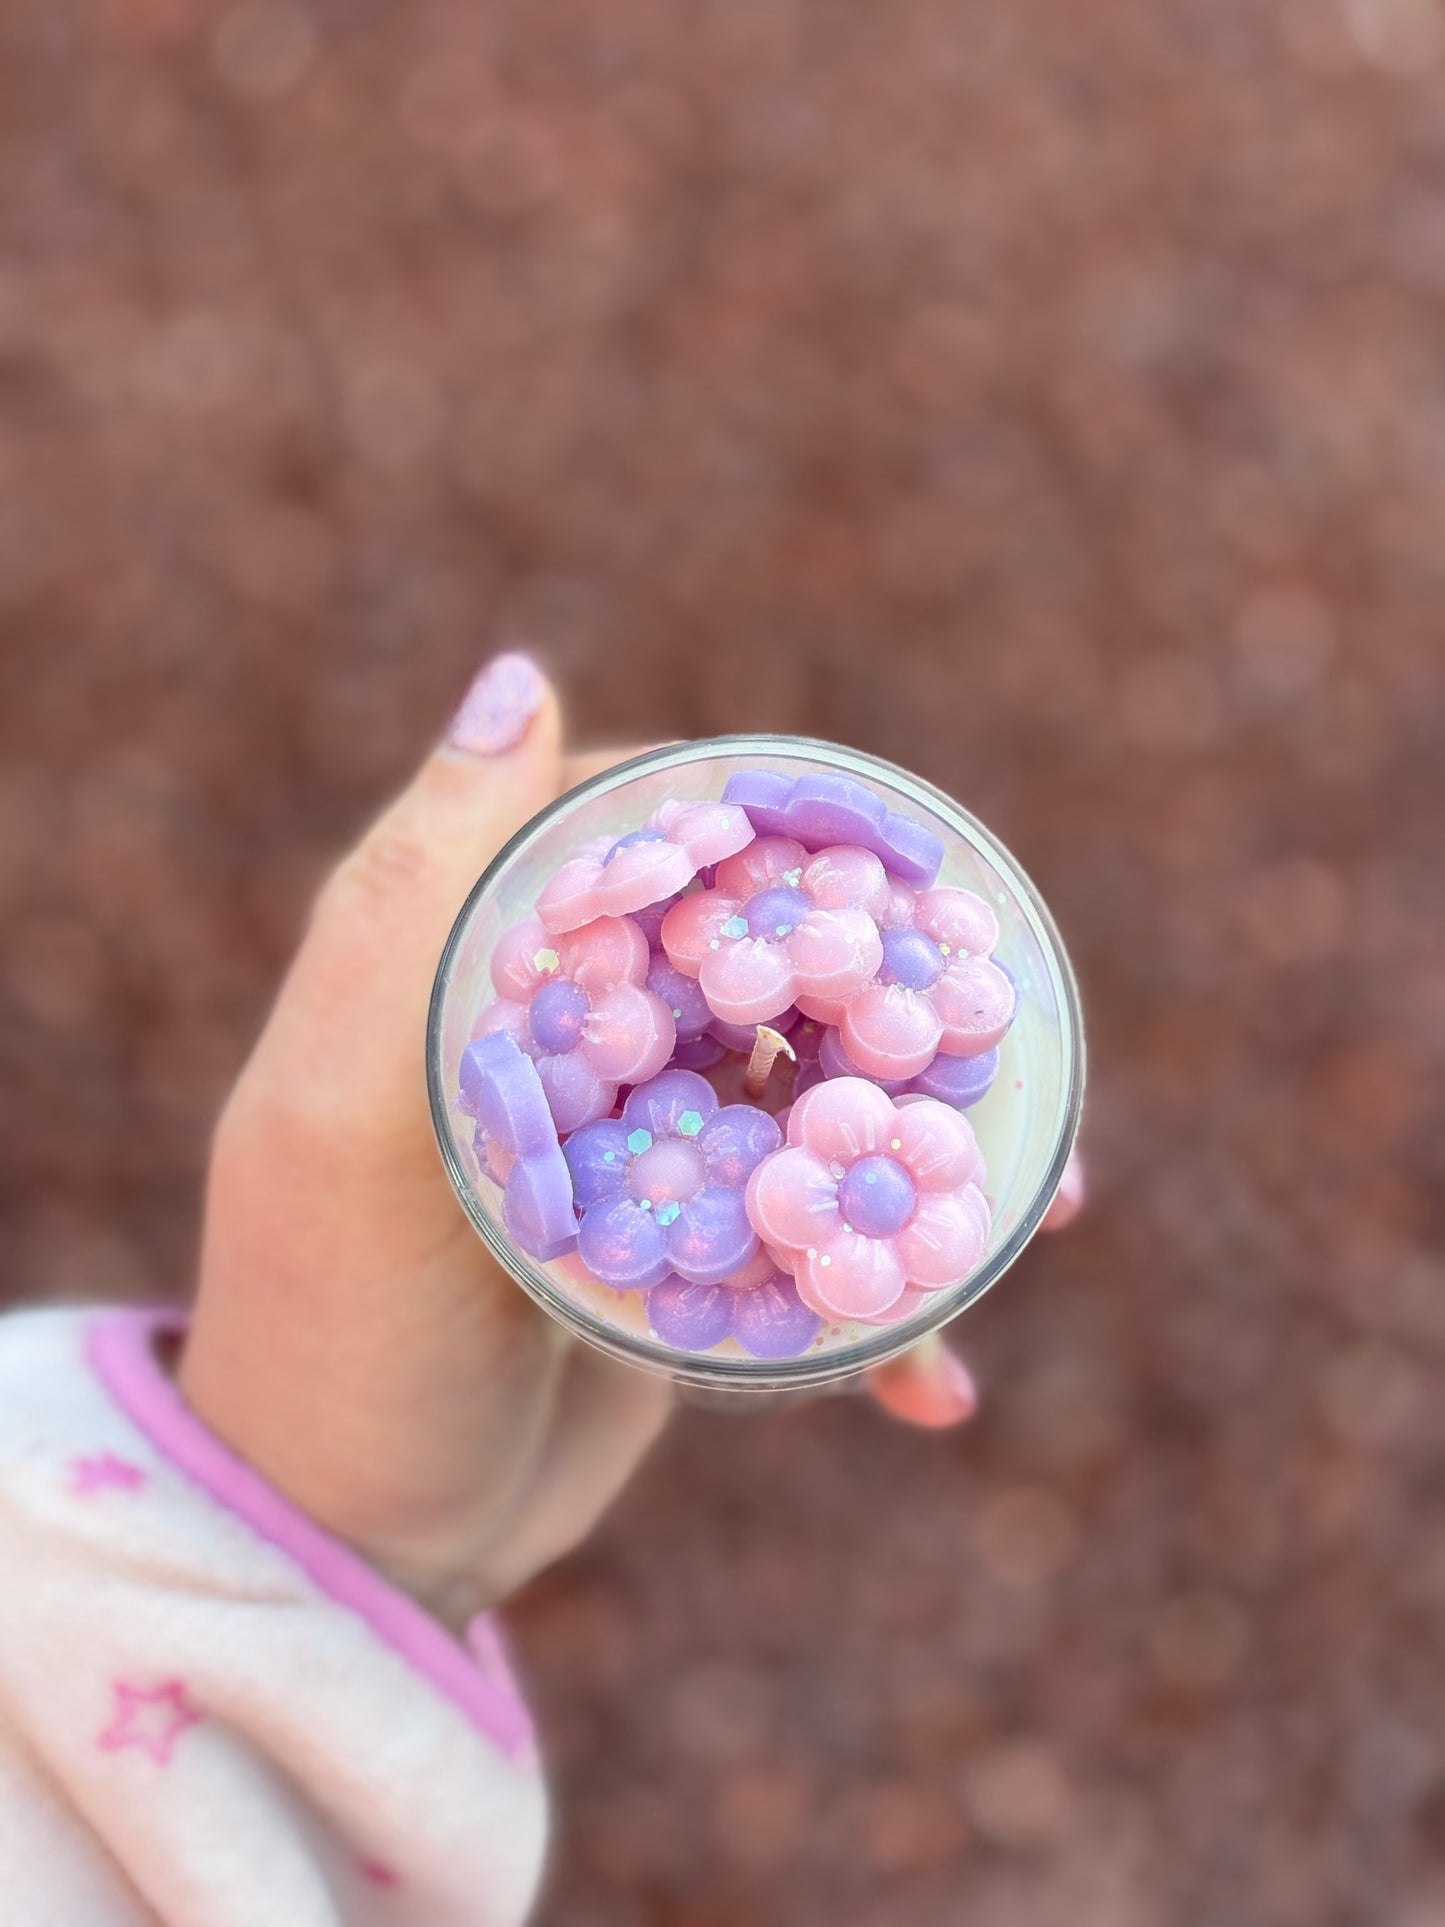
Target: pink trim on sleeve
<point>120,1349</point>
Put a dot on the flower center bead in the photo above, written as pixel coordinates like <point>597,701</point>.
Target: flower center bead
<point>628,841</point>
<point>877,1197</point>
<point>910,958</point>
<point>558,1013</point>
<point>772,914</point>
<point>669,1173</point>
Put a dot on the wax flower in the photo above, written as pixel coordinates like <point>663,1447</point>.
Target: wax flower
<point>612,879</point>
<point>872,1201</point>
<point>691,1012</point>
<point>959,1081</point>
<point>579,1007</point>
<point>780,927</point>
<point>660,1188</point>
<point>935,988</point>
<point>758,1306</point>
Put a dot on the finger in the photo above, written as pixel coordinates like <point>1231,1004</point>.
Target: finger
<point>928,1385</point>
<point>1068,1200</point>
<point>353,1009</point>
<point>587,763</point>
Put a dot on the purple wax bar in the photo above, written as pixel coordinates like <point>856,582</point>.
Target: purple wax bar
<point>821,811</point>
<point>501,1089</point>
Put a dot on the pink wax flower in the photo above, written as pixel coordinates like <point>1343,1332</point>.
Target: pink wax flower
<point>580,1008</point>
<point>612,879</point>
<point>936,988</point>
<point>873,1202</point>
<point>780,927</point>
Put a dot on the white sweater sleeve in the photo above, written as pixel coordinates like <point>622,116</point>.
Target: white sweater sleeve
<point>211,1713</point>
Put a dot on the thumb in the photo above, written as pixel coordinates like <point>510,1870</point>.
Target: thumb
<point>351,1016</point>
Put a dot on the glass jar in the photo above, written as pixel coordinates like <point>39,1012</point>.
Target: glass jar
<point>1025,1123</point>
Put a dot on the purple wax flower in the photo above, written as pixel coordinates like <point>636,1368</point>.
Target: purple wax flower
<point>691,1012</point>
<point>766,1317</point>
<point>959,1081</point>
<point>691,1318</point>
<point>828,809</point>
<point>517,1141</point>
<point>660,1188</point>
<point>649,920</point>
<point>703,1053</point>
<point>771,1320</point>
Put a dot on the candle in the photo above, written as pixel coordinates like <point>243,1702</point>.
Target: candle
<point>755,1060</point>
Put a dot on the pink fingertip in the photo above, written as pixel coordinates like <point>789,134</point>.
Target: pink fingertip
<point>929,1387</point>
<point>1068,1200</point>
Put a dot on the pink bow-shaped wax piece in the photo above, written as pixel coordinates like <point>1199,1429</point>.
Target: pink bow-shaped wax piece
<point>873,1202</point>
<point>614,879</point>
<point>780,926</point>
<point>579,1006</point>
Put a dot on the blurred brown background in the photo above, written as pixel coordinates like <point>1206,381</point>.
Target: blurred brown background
<point>1048,396</point>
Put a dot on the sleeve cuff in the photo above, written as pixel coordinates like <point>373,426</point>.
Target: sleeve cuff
<point>120,1348</point>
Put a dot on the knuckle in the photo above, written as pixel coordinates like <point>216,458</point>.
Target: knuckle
<point>280,1122</point>
<point>390,864</point>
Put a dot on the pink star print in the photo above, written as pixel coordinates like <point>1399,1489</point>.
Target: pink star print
<point>152,1718</point>
<point>89,1475</point>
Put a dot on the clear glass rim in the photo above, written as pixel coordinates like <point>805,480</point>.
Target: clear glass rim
<point>750,1374</point>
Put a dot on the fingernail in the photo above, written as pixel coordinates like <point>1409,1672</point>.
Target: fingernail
<point>928,1386</point>
<point>498,707</point>
<point>957,1387</point>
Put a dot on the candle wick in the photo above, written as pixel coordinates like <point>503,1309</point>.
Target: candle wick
<point>768,1046</point>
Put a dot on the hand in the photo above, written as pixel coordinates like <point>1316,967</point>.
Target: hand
<point>352,1338</point>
